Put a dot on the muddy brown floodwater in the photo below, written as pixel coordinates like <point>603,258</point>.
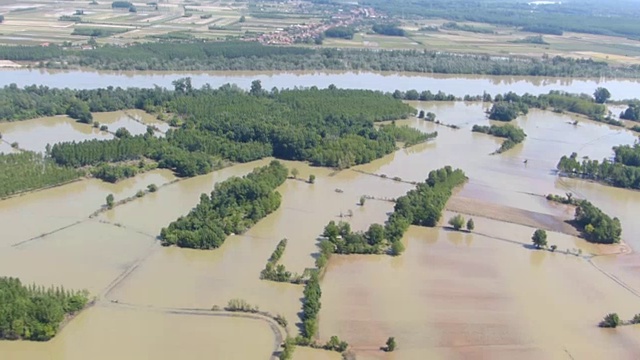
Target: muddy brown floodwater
<point>477,295</point>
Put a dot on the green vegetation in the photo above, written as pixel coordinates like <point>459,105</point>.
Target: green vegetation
<point>536,39</point>
<point>152,188</point>
<point>470,225</point>
<point>24,171</point>
<point>70,18</point>
<point>312,179</point>
<point>422,206</point>
<point>597,226</point>
<point>610,321</point>
<point>601,95</point>
<point>241,305</point>
<point>35,313</point>
<point>110,201</point>
<point>114,173</point>
<point>632,112</point>
<point>457,222</point>
<point>583,16</point>
<point>510,105</point>
<point>391,344</point>
<point>406,135</point>
<point>234,206</point>
<point>468,28</point>
<point>623,171</point>
<point>98,32</point>
<point>341,32</point>
<point>539,238</point>
<point>277,272</point>
<point>507,111</point>
<point>197,55</point>
<point>287,349</point>
<point>388,29</point>
<point>512,133</point>
<point>311,306</point>
<point>121,4</point>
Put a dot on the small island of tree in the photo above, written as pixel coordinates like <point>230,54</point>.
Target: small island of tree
<point>312,179</point>
<point>539,238</point>
<point>610,321</point>
<point>295,173</point>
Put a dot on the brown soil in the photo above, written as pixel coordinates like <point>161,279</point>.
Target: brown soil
<point>509,214</point>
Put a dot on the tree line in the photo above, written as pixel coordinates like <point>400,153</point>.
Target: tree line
<point>277,272</point>
<point>34,312</point>
<point>510,105</point>
<point>422,207</point>
<point>512,133</point>
<point>234,206</point>
<point>623,171</point>
<point>197,55</point>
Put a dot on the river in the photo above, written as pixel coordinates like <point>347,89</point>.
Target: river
<point>458,85</point>
<point>475,295</point>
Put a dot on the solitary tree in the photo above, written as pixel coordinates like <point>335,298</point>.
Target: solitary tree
<point>391,344</point>
<point>610,321</point>
<point>1,19</point>
<point>110,201</point>
<point>457,222</point>
<point>470,225</point>
<point>312,179</point>
<point>421,114</point>
<point>539,238</point>
<point>256,87</point>
<point>362,200</point>
<point>243,19</point>
<point>601,95</point>
<point>294,173</point>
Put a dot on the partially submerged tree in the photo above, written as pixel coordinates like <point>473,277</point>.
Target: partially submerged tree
<point>470,225</point>
<point>610,321</point>
<point>457,222</point>
<point>539,238</point>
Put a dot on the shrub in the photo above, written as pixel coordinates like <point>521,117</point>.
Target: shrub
<point>457,222</point>
<point>610,321</point>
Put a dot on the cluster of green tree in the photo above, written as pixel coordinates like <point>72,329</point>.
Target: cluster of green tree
<point>241,305</point>
<point>583,16</point>
<point>70,18</point>
<point>597,226</point>
<point>234,206</point>
<point>613,321</point>
<point>622,172</point>
<point>97,32</point>
<point>114,173</point>
<point>121,4</point>
<point>340,32</point>
<point>388,29</point>
<point>36,101</point>
<point>35,313</point>
<point>94,152</point>
<point>406,135</point>
<point>328,127</point>
<point>467,28</point>
<point>274,271</point>
<point>567,200</point>
<point>26,171</point>
<point>512,133</point>
<point>311,307</point>
<point>536,39</point>
<point>541,29</point>
<point>510,105</point>
<point>195,55</point>
<point>423,96</point>
<point>457,222</point>
<point>632,112</point>
<point>507,111</point>
<point>422,206</point>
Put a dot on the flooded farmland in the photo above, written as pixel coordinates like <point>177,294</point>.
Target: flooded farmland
<point>477,295</point>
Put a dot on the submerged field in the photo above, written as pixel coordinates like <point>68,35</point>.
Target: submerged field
<point>485,294</point>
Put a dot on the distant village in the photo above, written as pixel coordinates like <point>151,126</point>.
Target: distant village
<point>301,33</point>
